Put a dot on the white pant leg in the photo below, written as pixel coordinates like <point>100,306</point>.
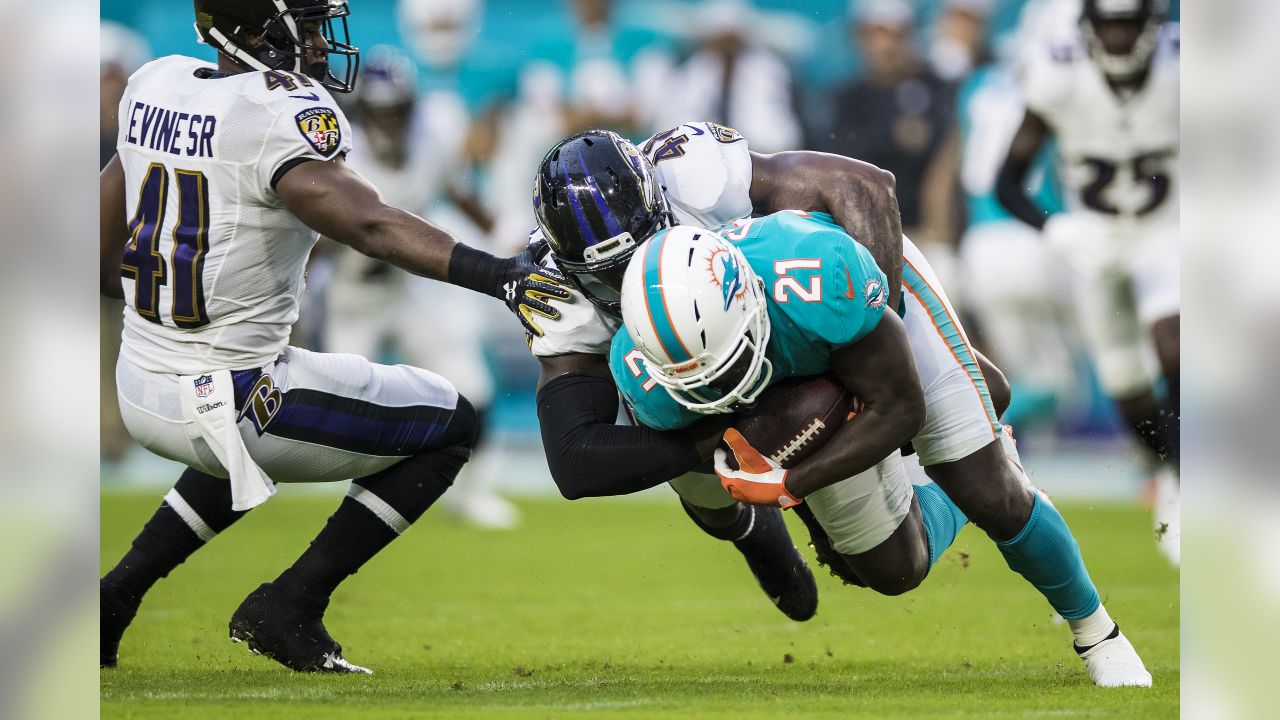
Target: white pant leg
<point>442,327</point>
<point>151,407</point>
<point>1119,347</point>
<point>858,513</point>
<point>1022,301</point>
<point>863,511</point>
<point>1157,272</point>
<point>959,416</point>
<point>308,417</point>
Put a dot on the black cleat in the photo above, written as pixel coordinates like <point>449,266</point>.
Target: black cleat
<point>828,556</point>
<point>116,609</point>
<point>279,627</point>
<point>778,566</point>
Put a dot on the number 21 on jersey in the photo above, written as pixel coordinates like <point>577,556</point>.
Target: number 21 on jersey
<point>786,286</point>
<point>635,363</point>
<point>162,254</point>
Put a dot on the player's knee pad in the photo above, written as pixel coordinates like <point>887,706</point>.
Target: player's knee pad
<point>464,427</point>
<point>409,487</point>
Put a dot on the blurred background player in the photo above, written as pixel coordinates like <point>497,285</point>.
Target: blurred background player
<point>410,150</point>
<point>896,115</point>
<point>1108,93</point>
<point>1020,301</point>
<point>734,79</point>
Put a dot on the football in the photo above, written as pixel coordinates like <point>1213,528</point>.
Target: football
<point>796,417</point>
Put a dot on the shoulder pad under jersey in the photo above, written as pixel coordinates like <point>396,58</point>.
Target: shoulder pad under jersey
<point>705,171</point>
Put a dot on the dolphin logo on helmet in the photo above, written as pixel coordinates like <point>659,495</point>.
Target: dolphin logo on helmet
<point>698,314</point>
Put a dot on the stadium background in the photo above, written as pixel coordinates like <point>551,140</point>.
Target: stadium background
<point>513,61</point>
<point>617,609</point>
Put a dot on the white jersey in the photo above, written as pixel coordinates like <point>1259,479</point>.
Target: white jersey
<point>705,172</point>
<point>214,270</point>
<point>1119,153</point>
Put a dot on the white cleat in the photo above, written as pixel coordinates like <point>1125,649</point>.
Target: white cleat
<point>1114,663</point>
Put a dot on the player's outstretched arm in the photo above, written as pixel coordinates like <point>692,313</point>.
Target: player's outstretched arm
<point>1011,183</point>
<point>859,195</point>
<point>113,228</point>
<point>339,203</point>
<point>880,372</point>
<point>588,453</point>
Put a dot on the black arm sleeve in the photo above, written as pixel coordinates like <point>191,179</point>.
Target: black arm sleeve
<point>1012,194</point>
<point>590,456</point>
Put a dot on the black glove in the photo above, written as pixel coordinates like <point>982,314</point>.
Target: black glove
<point>518,281</point>
<point>527,284</point>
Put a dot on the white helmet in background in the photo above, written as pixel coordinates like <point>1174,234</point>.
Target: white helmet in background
<point>439,31</point>
<point>697,312</point>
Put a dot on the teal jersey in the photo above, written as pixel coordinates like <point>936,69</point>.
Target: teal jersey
<point>824,292</point>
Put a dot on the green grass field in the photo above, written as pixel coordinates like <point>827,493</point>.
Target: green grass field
<point>622,609</point>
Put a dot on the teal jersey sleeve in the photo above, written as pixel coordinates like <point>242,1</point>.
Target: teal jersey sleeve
<point>818,276</point>
<point>649,403</point>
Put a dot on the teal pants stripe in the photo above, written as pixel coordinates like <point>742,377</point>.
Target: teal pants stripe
<point>955,339</point>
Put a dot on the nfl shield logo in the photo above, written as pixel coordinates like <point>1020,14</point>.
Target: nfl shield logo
<point>204,386</point>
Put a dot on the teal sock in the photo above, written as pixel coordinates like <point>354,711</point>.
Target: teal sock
<point>942,519</point>
<point>1046,554</point>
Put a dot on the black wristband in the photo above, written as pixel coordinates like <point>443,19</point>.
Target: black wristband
<point>476,270</point>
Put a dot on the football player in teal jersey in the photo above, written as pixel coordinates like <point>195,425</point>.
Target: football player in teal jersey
<point>825,312</point>
<point>706,176</point>
<point>702,310</point>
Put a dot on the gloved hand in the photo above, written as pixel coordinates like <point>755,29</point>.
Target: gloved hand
<point>526,286</point>
<point>758,479</point>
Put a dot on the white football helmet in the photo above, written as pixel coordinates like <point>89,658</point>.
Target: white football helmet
<point>698,314</point>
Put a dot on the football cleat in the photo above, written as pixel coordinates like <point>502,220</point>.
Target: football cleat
<point>828,556</point>
<point>116,610</point>
<point>778,566</point>
<point>1114,662</point>
<point>280,628</point>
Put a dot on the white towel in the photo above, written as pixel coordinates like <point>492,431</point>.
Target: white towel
<point>208,400</point>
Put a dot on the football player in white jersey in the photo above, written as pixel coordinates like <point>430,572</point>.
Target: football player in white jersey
<point>223,179</point>
<point>1107,91</point>
<point>593,224</point>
